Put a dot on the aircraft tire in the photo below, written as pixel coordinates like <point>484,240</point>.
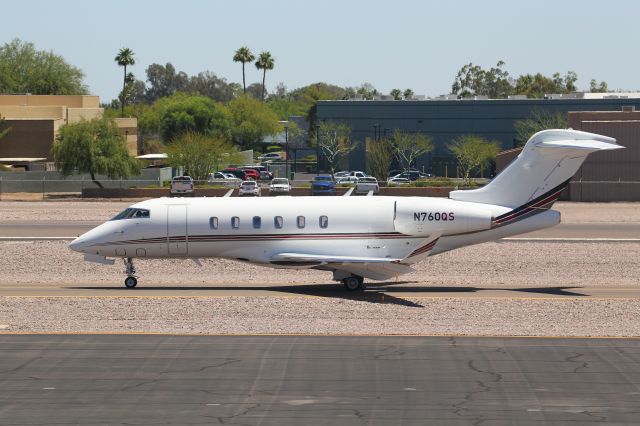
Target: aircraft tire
<point>130,282</point>
<point>353,283</point>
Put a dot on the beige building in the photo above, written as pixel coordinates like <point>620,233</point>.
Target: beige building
<point>36,119</point>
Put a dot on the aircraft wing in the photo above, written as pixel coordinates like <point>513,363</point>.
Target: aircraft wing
<point>376,268</point>
<point>294,258</point>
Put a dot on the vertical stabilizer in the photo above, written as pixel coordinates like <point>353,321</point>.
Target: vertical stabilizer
<point>545,166</point>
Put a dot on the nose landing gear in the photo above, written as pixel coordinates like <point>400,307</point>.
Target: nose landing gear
<point>131,281</point>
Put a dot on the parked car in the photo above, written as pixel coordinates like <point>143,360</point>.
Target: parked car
<point>240,174</point>
<point>367,184</point>
<point>396,181</point>
<point>279,186</point>
<point>323,185</point>
<point>337,175</point>
<point>270,157</point>
<point>226,179</point>
<point>252,174</point>
<point>182,185</point>
<point>263,173</point>
<point>412,175</point>
<point>249,188</point>
<point>347,180</point>
<point>358,174</point>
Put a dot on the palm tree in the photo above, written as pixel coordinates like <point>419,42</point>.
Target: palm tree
<point>124,58</point>
<point>265,62</point>
<point>243,55</point>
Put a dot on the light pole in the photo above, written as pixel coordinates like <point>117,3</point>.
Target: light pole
<point>286,147</point>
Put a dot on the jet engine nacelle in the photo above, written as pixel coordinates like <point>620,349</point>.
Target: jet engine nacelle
<point>420,216</point>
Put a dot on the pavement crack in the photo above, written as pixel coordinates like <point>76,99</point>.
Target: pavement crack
<point>20,367</point>
<point>595,416</point>
<point>145,382</point>
<point>582,364</point>
<point>389,351</point>
<point>227,361</point>
<point>459,407</point>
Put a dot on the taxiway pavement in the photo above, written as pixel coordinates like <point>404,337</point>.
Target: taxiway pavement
<point>282,380</point>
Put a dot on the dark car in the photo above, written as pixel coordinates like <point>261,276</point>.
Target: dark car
<point>236,172</point>
<point>323,185</point>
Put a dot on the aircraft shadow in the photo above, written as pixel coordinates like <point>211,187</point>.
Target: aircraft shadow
<point>379,293</point>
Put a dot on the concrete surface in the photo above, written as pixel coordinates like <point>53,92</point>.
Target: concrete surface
<point>277,380</point>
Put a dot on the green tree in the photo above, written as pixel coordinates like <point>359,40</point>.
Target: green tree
<point>473,80</point>
<point>538,120</point>
<point>200,154</point>
<point>23,69</point>
<point>335,142</point>
<point>396,93</point>
<point>379,156</point>
<point>182,114</point>
<point>538,85</point>
<point>251,121</point>
<point>244,55</point>
<point>408,147</point>
<point>123,59</point>
<point>408,93</point>
<point>265,62</point>
<point>4,129</point>
<point>93,147</point>
<point>595,87</point>
<point>473,153</point>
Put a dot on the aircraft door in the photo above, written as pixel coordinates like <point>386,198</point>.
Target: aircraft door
<point>177,238</point>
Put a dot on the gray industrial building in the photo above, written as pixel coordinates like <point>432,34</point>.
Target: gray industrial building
<point>444,120</point>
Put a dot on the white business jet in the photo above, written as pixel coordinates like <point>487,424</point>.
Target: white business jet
<point>353,237</point>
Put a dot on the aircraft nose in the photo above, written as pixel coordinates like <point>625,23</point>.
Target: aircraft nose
<point>77,245</point>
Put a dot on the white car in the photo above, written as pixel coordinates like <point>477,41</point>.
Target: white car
<point>367,184</point>
<point>270,156</point>
<point>358,174</point>
<point>348,180</point>
<point>337,175</point>
<point>182,185</point>
<point>398,181</point>
<point>279,186</point>
<point>249,188</point>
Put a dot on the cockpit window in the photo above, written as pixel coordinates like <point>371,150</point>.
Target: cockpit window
<point>132,213</point>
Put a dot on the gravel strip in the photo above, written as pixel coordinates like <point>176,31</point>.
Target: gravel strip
<point>264,315</point>
<point>513,263</point>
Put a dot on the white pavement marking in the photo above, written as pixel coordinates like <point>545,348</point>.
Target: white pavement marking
<point>35,238</point>
<point>577,239</point>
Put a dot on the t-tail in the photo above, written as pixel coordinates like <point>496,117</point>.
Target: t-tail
<point>535,179</point>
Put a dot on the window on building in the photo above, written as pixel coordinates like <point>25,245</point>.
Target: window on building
<point>235,222</point>
<point>257,222</point>
<point>278,222</point>
<point>213,222</point>
<point>324,221</point>
<point>300,221</point>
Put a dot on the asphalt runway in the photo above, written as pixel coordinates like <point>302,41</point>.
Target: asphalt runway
<point>48,229</point>
<point>292,380</point>
<point>376,292</point>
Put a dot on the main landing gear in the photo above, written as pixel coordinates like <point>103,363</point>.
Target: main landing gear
<point>131,281</point>
<point>353,283</point>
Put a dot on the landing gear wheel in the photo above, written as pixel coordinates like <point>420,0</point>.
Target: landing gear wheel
<point>353,283</point>
<point>130,282</point>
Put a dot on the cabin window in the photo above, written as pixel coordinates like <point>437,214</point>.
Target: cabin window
<point>235,222</point>
<point>300,221</point>
<point>324,221</point>
<point>213,222</point>
<point>278,222</point>
<point>257,222</point>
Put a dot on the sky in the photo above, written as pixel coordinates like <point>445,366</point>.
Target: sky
<point>389,43</point>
